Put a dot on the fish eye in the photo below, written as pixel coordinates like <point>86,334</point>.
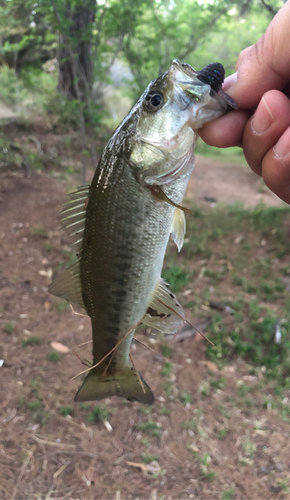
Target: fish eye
<point>154,101</point>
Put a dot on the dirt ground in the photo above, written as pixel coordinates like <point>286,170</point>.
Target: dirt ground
<point>185,446</point>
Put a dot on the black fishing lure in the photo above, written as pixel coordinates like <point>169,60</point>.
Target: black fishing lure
<point>214,74</point>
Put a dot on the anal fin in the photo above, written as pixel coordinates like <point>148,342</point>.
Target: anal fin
<point>164,312</point>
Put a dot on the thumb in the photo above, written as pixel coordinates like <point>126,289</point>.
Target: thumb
<point>265,65</point>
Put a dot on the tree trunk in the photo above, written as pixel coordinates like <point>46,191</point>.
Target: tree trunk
<point>75,65</point>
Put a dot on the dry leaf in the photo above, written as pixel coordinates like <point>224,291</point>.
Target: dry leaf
<point>212,366</point>
<point>57,346</point>
<point>143,467</point>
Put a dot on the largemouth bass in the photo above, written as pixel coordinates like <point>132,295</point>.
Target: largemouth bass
<point>121,224</point>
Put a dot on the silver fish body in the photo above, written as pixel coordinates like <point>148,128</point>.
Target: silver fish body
<point>122,229</point>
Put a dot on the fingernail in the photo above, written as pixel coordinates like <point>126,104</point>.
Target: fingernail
<point>262,119</point>
<point>282,148</point>
<point>229,81</point>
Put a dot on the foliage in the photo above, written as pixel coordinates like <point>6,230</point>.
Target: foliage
<point>145,34</point>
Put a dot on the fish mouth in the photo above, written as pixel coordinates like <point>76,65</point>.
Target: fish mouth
<point>213,75</point>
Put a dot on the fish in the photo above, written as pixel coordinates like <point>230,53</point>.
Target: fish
<point>120,225</point>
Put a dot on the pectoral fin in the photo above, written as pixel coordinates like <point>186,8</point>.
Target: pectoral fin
<point>164,312</point>
<point>159,194</point>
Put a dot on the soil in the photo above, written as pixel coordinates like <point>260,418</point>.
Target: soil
<point>203,447</point>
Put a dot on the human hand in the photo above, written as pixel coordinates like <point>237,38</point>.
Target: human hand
<point>261,126</point>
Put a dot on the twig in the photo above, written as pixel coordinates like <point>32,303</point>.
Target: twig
<point>127,333</point>
<point>145,345</point>
<point>139,378</point>
<point>37,143</point>
<point>186,321</point>
<point>182,335</point>
<point>84,343</point>
<point>269,8</point>
<point>68,452</point>
<point>110,361</point>
<point>83,362</point>
<point>78,314</point>
<point>51,443</point>
<point>200,332</point>
<point>179,330</point>
<point>21,474</point>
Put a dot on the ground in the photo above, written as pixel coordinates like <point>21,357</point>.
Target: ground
<point>216,430</point>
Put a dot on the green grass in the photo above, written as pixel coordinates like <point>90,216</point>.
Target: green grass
<point>53,356</point>
<point>222,433</point>
<point>9,327</point>
<point>147,459</point>
<point>176,277</point>
<point>99,414</point>
<point>39,230</point>
<point>61,306</point>
<point>66,410</point>
<point>186,398</point>
<point>31,341</point>
<point>166,350</point>
<point>34,405</point>
<point>166,369</point>
<point>204,467</point>
<point>150,428</point>
<point>230,155</point>
<point>247,252</point>
<point>228,494</point>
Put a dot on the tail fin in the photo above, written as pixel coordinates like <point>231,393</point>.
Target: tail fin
<point>96,386</point>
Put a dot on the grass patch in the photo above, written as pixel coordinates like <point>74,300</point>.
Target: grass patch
<point>251,249</point>
<point>228,494</point>
<point>228,155</point>
<point>66,410</point>
<point>31,341</point>
<point>9,327</point>
<point>39,230</point>
<point>176,277</point>
<point>166,369</point>
<point>186,398</point>
<point>150,428</point>
<point>147,459</point>
<point>99,414</point>
<point>166,350</point>
<point>53,356</point>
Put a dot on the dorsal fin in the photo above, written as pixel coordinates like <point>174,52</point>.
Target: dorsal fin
<point>178,228</point>
<point>164,312</point>
<point>74,214</point>
<point>67,285</point>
